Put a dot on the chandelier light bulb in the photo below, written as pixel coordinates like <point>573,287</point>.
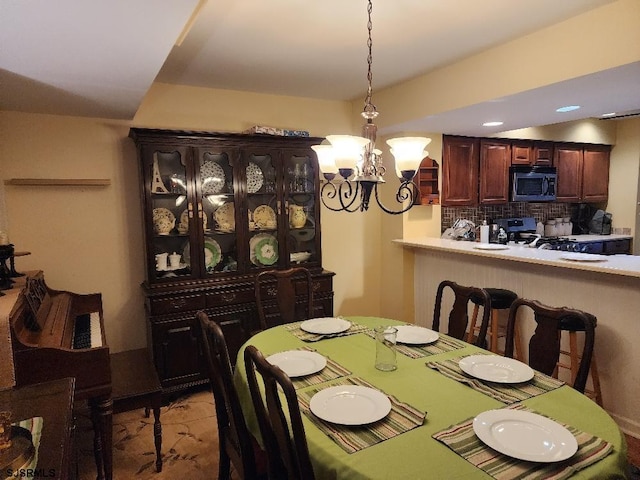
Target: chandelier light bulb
<point>347,150</point>
<point>326,159</point>
<point>408,153</point>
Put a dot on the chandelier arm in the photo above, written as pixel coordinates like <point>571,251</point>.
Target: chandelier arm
<point>406,191</point>
<point>330,191</point>
<point>351,193</point>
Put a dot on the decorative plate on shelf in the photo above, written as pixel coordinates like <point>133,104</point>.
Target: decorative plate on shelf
<point>264,217</point>
<point>255,178</point>
<point>225,217</point>
<point>163,213</point>
<point>183,226</point>
<point>263,249</point>
<point>212,253</point>
<point>212,177</point>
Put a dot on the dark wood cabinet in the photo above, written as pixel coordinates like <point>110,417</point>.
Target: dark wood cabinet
<point>543,153</point>
<point>427,181</point>
<point>531,152</point>
<point>218,209</point>
<point>460,167</point>
<point>583,172</point>
<point>595,173</point>
<point>495,158</point>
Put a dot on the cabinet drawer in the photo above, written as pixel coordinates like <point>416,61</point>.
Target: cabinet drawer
<point>231,296</point>
<point>176,303</point>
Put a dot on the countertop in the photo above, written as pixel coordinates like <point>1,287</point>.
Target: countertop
<point>625,265</point>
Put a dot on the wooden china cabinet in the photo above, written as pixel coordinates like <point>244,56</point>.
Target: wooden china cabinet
<point>218,209</point>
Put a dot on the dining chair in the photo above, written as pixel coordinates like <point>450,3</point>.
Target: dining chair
<point>459,313</point>
<point>236,444</point>
<point>275,292</point>
<point>544,344</point>
<point>284,438</point>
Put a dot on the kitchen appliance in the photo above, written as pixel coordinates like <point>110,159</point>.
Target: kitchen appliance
<point>518,228</point>
<point>532,184</point>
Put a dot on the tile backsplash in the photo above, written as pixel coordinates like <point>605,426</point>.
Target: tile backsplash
<point>540,211</point>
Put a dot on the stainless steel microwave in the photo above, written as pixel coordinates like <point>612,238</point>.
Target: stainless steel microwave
<point>533,184</point>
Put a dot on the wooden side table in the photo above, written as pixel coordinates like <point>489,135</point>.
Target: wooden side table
<point>136,385</point>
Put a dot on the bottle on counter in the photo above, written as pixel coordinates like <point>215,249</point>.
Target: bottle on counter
<point>502,236</point>
<point>550,228</point>
<point>484,232</point>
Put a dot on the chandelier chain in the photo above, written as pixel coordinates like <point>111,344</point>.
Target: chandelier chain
<point>368,106</point>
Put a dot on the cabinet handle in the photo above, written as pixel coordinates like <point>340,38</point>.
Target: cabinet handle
<point>190,208</point>
<point>178,303</point>
<point>228,297</point>
<point>177,330</point>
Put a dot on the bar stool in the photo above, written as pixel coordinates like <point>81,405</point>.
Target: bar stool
<point>501,299</point>
<point>573,327</point>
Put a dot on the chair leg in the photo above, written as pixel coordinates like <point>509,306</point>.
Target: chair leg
<point>472,325</point>
<point>493,330</point>
<point>596,381</point>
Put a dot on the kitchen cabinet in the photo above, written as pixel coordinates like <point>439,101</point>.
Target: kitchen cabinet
<point>460,167</point>
<point>218,209</point>
<point>583,172</point>
<point>531,152</point>
<point>495,158</point>
<point>427,181</point>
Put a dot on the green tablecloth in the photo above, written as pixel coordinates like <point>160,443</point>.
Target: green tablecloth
<point>415,454</point>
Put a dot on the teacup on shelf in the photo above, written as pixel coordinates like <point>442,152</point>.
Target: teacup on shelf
<point>163,225</point>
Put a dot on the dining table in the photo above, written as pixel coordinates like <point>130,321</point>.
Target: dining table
<point>429,431</point>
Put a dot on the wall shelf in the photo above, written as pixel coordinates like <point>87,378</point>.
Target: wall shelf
<point>59,182</point>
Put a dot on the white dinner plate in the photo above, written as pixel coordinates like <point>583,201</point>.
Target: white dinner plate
<point>350,405</point>
<point>491,246</point>
<point>495,368</point>
<point>325,325</point>
<point>525,435</point>
<point>583,257</point>
<point>298,363</point>
<point>414,335</point>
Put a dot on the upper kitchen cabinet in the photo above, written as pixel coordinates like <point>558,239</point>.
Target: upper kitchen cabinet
<point>495,158</point>
<point>583,172</point>
<point>460,161</point>
<point>531,152</point>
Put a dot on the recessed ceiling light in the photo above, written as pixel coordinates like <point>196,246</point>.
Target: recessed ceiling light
<point>568,108</point>
<point>492,124</point>
<point>608,114</point>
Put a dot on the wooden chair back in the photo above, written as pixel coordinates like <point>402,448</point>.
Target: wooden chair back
<point>275,292</point>
<point>459,314</point>
<point>236,443</point>
<point>544,345</point>
<point>284,438</point>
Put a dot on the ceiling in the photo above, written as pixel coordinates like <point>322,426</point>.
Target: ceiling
<point>99,58</point>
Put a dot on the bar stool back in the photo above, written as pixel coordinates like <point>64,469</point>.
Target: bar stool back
<point>501,299</point>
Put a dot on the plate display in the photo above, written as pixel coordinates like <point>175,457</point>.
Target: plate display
<point>225,217</point>
<point>263,249</point>
<point>212,177</point>
<point>255,178</point>
<point>415,335</point>
<point>325,325</point>
<point>160,212</point>
<point>183,226</point>
<point>525,435</point>
<point>212,253</point>
<point>264,217</point>
<point>583,257</point>
<point>495,368</point>
<point>298,363</point>
<point>490,246</point>
<point>350,405</point>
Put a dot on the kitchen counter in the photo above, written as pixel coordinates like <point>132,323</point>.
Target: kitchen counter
<point>609,289</point>
<point>628,265</point>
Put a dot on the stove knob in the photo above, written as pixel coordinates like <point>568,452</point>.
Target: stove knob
<point>576,247</point>
<point>584,249</point>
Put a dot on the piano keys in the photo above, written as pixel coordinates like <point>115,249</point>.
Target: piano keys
<point>57,334</point>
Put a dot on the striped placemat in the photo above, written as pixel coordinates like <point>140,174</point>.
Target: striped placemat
<point>353,438</point>
<point>332,371</point>
<point>442,345</point>
<point>462,439</point>
<point>295,329</point>
<point>505,393</point>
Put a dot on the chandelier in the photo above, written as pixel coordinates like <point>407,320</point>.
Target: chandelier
<point>352,166</point>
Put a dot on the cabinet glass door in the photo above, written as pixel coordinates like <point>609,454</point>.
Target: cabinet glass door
<point>263,208</point>
<point>167,177</point>
<point>217,207</point>
<point>302,211</point>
